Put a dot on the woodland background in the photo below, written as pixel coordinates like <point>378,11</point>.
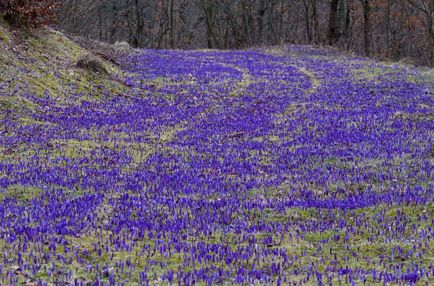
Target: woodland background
<point>386,29</point>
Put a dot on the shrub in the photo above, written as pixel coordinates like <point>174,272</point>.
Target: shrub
<point>29,13</point>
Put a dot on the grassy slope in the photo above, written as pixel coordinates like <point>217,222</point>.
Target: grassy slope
<point>45,62</point>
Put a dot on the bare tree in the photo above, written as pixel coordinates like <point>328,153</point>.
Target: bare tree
<point>426,15</point>
<point>366,4</point>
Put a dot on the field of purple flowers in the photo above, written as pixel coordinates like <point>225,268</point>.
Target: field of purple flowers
<point>223,168</point>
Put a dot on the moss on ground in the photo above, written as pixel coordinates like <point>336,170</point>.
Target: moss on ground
<point>4,37</point>
<point>45,62</point>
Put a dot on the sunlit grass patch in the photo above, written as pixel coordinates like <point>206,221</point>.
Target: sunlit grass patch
<point>20,193</point>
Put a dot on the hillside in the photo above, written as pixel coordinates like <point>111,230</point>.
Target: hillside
<point>33,64</point>
<point>256,167</point>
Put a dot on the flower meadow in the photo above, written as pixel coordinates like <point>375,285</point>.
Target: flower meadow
<point>222,168</point>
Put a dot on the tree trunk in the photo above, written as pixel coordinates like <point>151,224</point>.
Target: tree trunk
<point>367,26</point>
<point>172,23</point>
<point>271,24</point>
<point>387,20</point>
<point>342,17</point>
<point>260,20</point>
<point>307,20</point>
<point>213,38</point>
<point>113,26</point>
<point>140,24</point>
<point>315,22</point>
<point>431,41</point>
<point>245,24</point>
<point>332,34</point>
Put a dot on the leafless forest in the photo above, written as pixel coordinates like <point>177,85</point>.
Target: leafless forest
<point>388,29</point>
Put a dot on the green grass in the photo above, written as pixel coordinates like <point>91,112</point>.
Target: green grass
<point>20,193</point>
